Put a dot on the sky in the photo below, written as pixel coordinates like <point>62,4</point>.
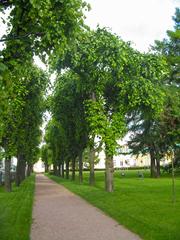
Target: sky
<point>138,21</point>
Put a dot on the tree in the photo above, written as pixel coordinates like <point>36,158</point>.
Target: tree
<point>45,156</point>
<point>28,131</point>
<point>68,110</point>
<point>170,48</point>
<point>41,27</point>
<point>34,28</point>
<point>157,135</point>
<point>111,75</point>
<point>11,108</point>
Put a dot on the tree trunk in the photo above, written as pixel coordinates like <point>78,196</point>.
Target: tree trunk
<point>91,162</point>
<point>109,174</point>
<point>20,169</point>
<point>29,169</point>
<point>153,164</point>
<point>177,157</point>
<point>59,170</point>
<point>46,167</point>
<point>23,170</point>
<point>8,186</point>
<point>55,170</point>
<point>18,172</point>
<point>80,168</point>
<point>62,167</point>
<point>67,169</point>
<point>73,169</point>
<point>92,152</point>
<point>158,168</point>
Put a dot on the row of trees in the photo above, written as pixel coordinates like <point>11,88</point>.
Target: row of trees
<point>42,28</point>
<point>103,86</point>
<point>104,80</point>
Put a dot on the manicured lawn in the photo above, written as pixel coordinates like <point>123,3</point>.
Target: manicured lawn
<point>142,205</point>
<point>16,211</point>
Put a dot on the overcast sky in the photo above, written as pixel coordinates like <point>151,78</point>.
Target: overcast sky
<point>139,21</point>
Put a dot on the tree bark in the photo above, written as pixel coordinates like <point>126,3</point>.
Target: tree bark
<point>46,167</point>
<point>18,172</point>
<point>73,169</point>
<point>92,152</point>
<point>55,170</point>
<point>91,163</point>
<point>8,186</point>
<point>29,169</point>
<point>177,157</point>
<point>23,170</point>
<point>80,167</point>
<point>59,170</point>
<point>20,169</point>
<point>109,186</point>
<point>67,169</point>
<point>153,164</point>
<point>62,167</point>
<point>158,168</point>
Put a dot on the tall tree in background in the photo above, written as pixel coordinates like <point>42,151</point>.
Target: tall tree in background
<point>28,133</point>
<point>68,110</point>
<point>46,156</point>
<point>157,136</point>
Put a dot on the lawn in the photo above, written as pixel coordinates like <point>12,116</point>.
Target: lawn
<point>16,211</point>
<point>142,205</point>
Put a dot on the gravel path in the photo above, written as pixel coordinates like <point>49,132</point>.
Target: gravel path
<point>59,214</point>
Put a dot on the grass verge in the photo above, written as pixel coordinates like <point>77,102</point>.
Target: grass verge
<point>16,211</point>
<point>142,205</point>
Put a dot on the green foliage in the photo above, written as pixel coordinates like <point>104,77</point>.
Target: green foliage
<point>96,118</point>
<point>159,133</point>
<point>21,110</point>
<point>41,27</point>
<point>55,149</point>
<point>86,159</point>
<point>46,154</point>
<point>68,112</point>
<point>170,48</point>
<point>143,89</point>
<point>115,79</point>
<point>28,133</point>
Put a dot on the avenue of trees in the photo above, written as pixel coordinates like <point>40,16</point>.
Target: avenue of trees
<point>42,28</point>
<point>103,89</point>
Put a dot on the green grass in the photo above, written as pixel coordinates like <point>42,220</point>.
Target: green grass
<point>16,211</point>
<point>142,205</point>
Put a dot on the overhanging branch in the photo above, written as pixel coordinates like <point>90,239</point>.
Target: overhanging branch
<point>20,37</point>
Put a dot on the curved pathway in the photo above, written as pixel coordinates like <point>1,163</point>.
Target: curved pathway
<point>59,214</point>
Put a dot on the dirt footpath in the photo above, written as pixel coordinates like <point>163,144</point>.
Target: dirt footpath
<point>59,214</point>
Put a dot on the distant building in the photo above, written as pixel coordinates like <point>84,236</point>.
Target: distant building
<point>124,158</point>
<point>13,163</point>
<point>120,161</point>
<point>39,166</point>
